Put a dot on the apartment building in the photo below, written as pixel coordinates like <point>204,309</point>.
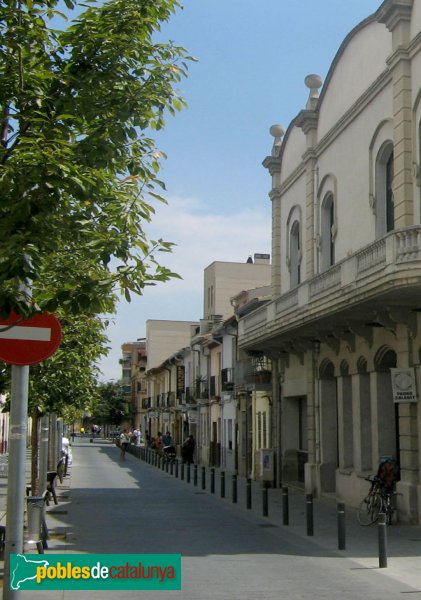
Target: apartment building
<point>346,268</point>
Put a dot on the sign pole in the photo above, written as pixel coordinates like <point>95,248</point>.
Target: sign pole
<point>17,467</point>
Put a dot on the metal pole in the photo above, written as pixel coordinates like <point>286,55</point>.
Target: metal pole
<point>171,467</point>
<point>182,471</point>
<point>212,485</point>
<point>310,522</point>
<point>382,529</point>
<point>341,526</point>
<point>222,484</point>
<point>43,455</point>
<point>265,500</point>
<point>234,489</point>
<point>176,468</point>
<point>188,472</point>
<point>195,475</point>
<point>203,478</point>
<point>285,506</point>
<point>16,481</point>
<point>248,490</point>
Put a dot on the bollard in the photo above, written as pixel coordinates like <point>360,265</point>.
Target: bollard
<point>234,489</point>
<point>176,467</point>
<point>265,500</point>
<point>171,467</point>
<point>195,475</point>
<point>212,486</point>
<point>163,463</point>
<point>285,506</point>
<point>182,472</point>
<point>341,526</point>
<point>382,529</point>
<point>167,465</point>
<point>248,491</point>
<point>310,521</point>
<point>188,472</point>
<point>222,484</point>
<point>203,478</point>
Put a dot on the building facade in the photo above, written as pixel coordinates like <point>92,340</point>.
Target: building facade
<point>346,267</point>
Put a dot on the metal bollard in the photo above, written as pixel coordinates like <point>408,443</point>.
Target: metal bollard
<point>265,500</point>
<point>248,491</point>
<point>195,475</point>
<point>310,520</point>
<point>203,478</point>
<point>382,529</point>
<point>167,465</point>
<point>163,463</point>
<point>176,468</point>
<point>285,506</point>
<point>171,467</point>
<point>234,489</point>
<point>222,484</point>
<point>212,485</point>
<point>188,472</point>
<point>341,526</point>
<point>182,472</point>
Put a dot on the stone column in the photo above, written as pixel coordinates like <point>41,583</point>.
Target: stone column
<point>396,15</point>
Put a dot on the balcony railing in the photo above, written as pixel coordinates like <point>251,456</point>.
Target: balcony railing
<point>337,287</point>
<point>227,380</point>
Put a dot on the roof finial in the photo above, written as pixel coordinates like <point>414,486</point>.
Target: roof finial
<point>277,131</point>
<point>313,82</point>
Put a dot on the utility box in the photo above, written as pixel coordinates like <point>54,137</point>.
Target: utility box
<point>266,464</point>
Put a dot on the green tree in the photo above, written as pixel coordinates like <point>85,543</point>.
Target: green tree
<point>66,382</point>
<point>78,168</point>
<point>110,406</point>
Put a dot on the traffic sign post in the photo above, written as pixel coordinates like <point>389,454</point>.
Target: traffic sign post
<point>22,343</point>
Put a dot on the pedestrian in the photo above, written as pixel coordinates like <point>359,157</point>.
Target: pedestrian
<point>158,442</point>
<point>124,442</point>
<point>136,435</point>
<point>167,439</point>
<point>187,449</point>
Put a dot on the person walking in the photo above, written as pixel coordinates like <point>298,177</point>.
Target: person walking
<point>124,442</point>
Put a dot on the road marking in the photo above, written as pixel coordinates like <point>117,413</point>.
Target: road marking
<point>36,334</point>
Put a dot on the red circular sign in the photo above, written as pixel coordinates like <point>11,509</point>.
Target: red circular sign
<point>29,341</point>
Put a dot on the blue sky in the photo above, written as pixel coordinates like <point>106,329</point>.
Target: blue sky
<point>252,60</point>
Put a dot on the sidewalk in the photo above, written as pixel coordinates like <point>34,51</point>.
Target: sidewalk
<point>404,541</point>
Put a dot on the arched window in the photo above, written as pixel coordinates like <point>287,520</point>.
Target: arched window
<point>385,213</point>
<point>327,232</point>
<point>295,254</point>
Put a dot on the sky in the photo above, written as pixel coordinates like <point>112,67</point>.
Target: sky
<point>252,58</point>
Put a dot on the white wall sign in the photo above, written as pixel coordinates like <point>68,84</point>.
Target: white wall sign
<point>403,385</point>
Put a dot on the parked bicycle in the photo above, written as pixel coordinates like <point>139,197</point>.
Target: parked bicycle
<point>378,500</point>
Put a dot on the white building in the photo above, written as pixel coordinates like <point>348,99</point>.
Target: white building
<point>346,266</point>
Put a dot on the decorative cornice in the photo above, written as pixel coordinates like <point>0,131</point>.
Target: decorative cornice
<point>392,12</point>
<point>307,120</point>
<point>273,164</point>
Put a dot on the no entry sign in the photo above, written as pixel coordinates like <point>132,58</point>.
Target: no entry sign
<point>30,341</point>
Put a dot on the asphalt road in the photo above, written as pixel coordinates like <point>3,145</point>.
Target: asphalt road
<point>227,552</point>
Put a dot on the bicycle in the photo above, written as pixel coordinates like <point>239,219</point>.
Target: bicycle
<point>378,500</point>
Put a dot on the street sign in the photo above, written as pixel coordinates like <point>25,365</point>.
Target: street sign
<point>29,341</point>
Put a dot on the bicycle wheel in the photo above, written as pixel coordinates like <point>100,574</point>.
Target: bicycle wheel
<point>368,511</point>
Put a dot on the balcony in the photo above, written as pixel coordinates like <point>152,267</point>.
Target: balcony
<point>227,380</point>
<point>371,286</point>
